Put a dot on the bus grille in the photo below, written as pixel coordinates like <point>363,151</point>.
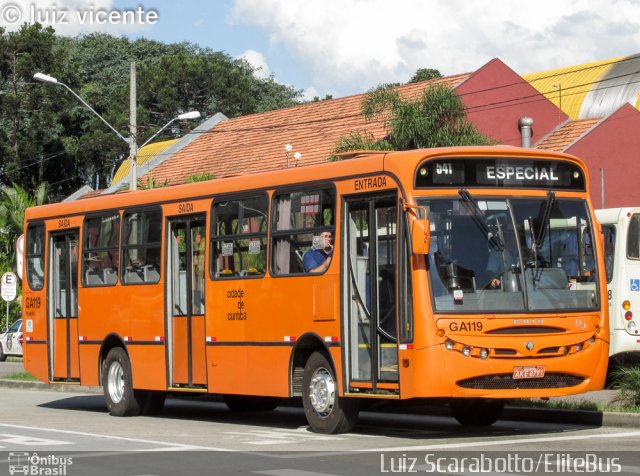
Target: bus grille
<point>506,382</point>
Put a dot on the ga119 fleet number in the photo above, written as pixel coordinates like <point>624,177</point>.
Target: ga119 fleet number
<point>464,326</point>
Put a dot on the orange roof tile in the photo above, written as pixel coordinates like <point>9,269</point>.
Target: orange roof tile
<point>256,143</point>
<point>566,134</point>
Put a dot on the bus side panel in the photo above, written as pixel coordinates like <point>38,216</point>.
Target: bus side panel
<point>74,354</point>
<point>198,352</point>
<point>145,321</point>
<point>149,370</point>
<point>60,346</point>
<point>179,352</point>
<point>89,364</point>
<point>254,325</point>
<point>35,342</point>
<point>233,371</point>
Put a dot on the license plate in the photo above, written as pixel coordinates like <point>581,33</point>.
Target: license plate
<point>535,371</point>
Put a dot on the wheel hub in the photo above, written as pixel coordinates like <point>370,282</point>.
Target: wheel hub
<point>115,380</point>
<point>322,391</point>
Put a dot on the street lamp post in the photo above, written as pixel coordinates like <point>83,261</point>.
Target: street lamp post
<point>131,141</point>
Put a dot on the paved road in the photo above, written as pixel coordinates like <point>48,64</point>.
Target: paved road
<point>196,437</point>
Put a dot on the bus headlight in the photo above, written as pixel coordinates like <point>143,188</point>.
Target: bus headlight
<point>484,353</point>
<point>466,351</point>
<point>449,344</point>
<point>578,347</point>
<point>631,326</point>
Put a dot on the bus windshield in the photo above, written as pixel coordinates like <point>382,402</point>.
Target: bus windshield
<point>511,255</point>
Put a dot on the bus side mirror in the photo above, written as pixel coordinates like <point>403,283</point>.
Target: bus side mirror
<point>420,236</point>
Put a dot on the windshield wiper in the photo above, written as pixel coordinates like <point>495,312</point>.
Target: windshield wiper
<point>472,206</point>
<point>546,216</point>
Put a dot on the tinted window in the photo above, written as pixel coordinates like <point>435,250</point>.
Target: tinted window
<point>239,237</point>
<point>302,221</point>
<point>100,255</point>
<point>35,256</point>
<point>141,247</point>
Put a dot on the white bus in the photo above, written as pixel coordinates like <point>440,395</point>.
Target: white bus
<point>621,228</point>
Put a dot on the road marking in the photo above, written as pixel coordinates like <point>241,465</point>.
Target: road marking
<point>29,441</point>
<point>175,446</point>
<point>292,472</point>
<point>444,446</point>
<point>277,437</point>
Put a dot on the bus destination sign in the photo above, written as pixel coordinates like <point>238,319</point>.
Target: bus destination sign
<point>500,172</point>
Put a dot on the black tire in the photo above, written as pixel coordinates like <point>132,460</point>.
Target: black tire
<point>326,412</point>
<point>476,411</point>
<point>248,403</point>
<point>117,384</point>
<point>3,356</point>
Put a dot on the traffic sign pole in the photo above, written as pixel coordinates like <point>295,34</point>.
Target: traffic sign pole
<point>8,290</point>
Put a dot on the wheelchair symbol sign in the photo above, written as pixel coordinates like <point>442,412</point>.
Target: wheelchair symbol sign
<point>635,285</point>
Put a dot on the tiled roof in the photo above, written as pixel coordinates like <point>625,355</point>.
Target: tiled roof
<point>256,143</point>
<point>566,134</point>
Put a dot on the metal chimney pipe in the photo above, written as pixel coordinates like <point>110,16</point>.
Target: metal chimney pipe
<point>526,130</point>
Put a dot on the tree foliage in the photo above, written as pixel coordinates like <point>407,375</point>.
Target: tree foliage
<point>14,201</point>
<point>436,119</point>
<point>424,74</point>
<point>47,135</point>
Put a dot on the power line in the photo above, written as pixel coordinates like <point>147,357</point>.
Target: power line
<point>481,107</point>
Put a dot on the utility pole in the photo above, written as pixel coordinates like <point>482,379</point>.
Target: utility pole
<point>133,140</point>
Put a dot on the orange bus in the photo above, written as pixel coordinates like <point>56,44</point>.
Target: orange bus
<point>386,275</point>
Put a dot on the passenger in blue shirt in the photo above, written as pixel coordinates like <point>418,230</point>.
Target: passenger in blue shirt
<point>318,258</point>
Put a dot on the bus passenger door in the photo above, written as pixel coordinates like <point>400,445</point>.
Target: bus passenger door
<point>369,302</point>
<point>63,307</point>
<point>185,313</point>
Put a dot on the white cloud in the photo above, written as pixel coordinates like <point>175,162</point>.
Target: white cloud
<point>70,17</point>
<point>349,46</point>
<point>259,63</point>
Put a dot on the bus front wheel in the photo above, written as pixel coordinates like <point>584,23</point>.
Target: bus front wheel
<point>3,356</point>
<point>326,412</point>
<point>117,383</point>
<point>476,411</point>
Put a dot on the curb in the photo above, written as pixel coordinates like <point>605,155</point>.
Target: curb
<point>48,387</point>
<point>546,415</point>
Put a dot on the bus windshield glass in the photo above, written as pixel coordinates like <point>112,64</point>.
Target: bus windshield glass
<point>511,255</point>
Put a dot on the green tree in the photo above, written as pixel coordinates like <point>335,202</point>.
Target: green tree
<point>435,119</point>
<point>14,201</point>
<point>424,74</point>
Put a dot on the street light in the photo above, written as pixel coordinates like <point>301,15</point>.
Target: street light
<point>133,148</point>
<point>180,117</point>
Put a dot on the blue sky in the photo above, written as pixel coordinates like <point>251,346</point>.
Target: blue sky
<point>343,47</point>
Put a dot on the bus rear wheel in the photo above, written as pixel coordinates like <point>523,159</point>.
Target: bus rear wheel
<point>476,411</point>
<point>117,383</point>
<point>326,412</point>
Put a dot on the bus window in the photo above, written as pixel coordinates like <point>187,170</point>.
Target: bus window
<point>141,247</point>
<point>239,237</point>
<point>298,216</point>
<point>633,238</point>
<point>100,251</point>
<point>35,257</point>
<point>609,232</point>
